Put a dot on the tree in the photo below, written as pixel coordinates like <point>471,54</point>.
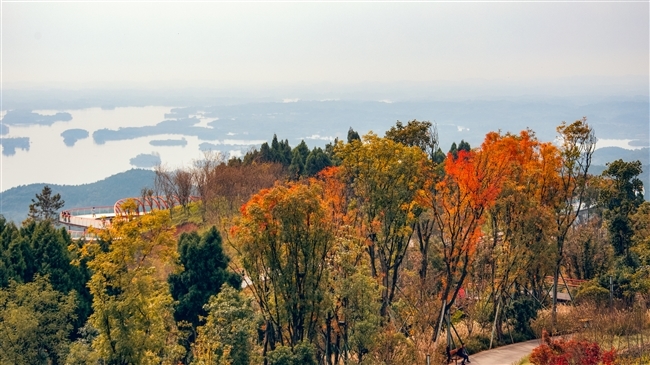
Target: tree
<point>297,167</point>
<point>468,188</point>
<point>385,177</point>
<point>12,262</point>
<point>353,136</point>
<point>415,134</point>
<point>226,337</point>
<point>518,223</point>
<point>46,206</point>
<point>641,238</point>
<point>36,323</point>
<point>621,198</point>
<point>205,271</point>
<point>184,186</point>
<point>203,178</point>
<point>588,252</point>
<point>38,249</point>
<point>302,149</point>
<point>284,239</point>
<point>423,135</point>
<point>132,307</point>
<point>577,144</point>
<point>641,247</point>
<point>316,161</point>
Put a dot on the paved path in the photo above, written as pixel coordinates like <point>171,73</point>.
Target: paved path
<point>504,355</point>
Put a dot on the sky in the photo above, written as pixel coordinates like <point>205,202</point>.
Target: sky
<point>73,45</point>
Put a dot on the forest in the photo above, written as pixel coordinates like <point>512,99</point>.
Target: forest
<point>373,250</point>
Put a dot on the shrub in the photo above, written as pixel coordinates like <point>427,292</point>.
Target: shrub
<point>561,352</point>
<point>477,343</point>
<point>593,293</point>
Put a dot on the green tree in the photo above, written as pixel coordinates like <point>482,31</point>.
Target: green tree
<point>302,354</point>
<point>205,271</point>
<point>265,154</point>
<point>280,151</point>
<point>36,323</point>
<point>621,198</point>
<point>316,161</point>
<point>39,249</point>
<point>415,134</point>
<point>330,152</point>
<point>464,146</point>
<point>302,149</point>
<point>588,252</point>
<point>12,262</point>
<point>228,332</point>
<point>46,206</point>
<point>297,167</point>
<point>353,136</point>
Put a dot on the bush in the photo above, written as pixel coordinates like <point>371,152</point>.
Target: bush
<point>303,354</point>
<point>559,352</point>
<point>593,293</point>
<point>567,320</point>
<point>477,343</point>
<point>523,310</point>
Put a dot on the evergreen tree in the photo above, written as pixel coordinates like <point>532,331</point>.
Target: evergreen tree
<point>276,153</point>
<point>316,161</point>
<point>205,272</point>
<point>454,150</point>
<point>8,258</point>
<point>464,146</point>
<point>329,151</point>
<point>353,136</point>
<point>302,149</point>
<point>285,153</point>
<point>439,156</point>
<point>265,155</point>
<point>46,206</point>
<point>297,166</point>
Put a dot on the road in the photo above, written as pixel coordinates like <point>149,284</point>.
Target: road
<point>504,355</point>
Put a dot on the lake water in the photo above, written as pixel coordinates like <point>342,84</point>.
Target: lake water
<point>50,160</point>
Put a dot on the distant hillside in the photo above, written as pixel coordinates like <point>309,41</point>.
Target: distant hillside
<point>608,154</point>
<point>15,201</point>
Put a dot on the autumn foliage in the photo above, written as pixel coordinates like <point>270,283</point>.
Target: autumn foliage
<point>570,352</point>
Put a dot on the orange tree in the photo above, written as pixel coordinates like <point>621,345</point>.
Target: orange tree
<point>458,199</point>
<point>519,222</point>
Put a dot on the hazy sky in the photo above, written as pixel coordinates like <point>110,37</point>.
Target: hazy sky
<point>265,44</point>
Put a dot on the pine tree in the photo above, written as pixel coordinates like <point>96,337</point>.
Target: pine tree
<point>205,272</point>
<point>46,206</point>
